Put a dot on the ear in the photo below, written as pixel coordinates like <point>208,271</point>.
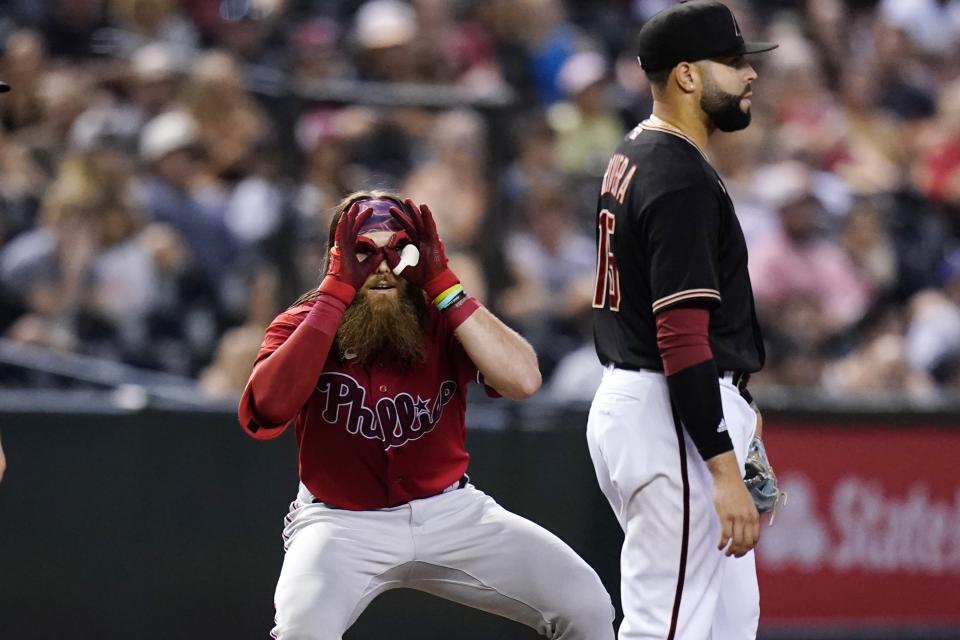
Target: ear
<point>686,75</point>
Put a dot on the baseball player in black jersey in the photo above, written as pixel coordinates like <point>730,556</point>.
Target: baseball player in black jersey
<point>671,424</point>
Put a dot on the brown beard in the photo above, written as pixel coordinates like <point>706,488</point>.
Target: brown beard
<point>384,327</point>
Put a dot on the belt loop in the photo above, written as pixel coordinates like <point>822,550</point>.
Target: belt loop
<point>740,382</point>
<point>459,484</point>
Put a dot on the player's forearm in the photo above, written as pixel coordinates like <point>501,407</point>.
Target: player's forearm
<point>682,337</point>
<point>507,361</point>
<point>724,467</point>
<point>695,395</point>
<point>282,383</point>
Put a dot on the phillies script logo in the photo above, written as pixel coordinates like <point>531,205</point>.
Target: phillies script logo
<point>394,421</point>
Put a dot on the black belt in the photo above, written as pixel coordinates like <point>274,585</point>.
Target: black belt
<point>628,367</point>
<point>739,378</point>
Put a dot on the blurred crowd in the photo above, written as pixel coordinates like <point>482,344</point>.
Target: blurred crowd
<point>167,168</point>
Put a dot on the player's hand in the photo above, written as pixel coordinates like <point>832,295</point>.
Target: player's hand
<point>3,463</point>
<point>353,258</point>
<point>739,520</point>
<point>431,273</point>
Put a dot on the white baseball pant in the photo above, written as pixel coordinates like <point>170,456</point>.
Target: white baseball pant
<point>675,584</point>
<point>460,545</point>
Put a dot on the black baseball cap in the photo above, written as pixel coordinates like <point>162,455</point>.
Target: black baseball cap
<point>4,87</point>
<point>691,31</point>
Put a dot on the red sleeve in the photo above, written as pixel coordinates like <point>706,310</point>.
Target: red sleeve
<point>682,337</point>
<point>291,358</point>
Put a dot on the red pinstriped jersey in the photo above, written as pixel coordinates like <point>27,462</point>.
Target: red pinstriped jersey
<point>371,437</point>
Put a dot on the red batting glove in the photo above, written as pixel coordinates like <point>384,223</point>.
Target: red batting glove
<point>345,273</point>
<point>430,274</point>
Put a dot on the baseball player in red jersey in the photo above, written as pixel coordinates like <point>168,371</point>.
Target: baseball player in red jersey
<point>373,369</point>
<point>672,428</point>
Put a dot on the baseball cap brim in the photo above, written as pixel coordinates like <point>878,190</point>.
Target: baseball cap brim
<point>759,47</point>
<point>4,87</point>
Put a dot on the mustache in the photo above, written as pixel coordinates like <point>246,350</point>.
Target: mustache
<point>387,279</point>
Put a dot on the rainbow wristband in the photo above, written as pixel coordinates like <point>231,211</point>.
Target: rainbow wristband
<point>447,296</point>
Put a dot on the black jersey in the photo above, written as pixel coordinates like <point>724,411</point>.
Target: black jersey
<point>667,235</point>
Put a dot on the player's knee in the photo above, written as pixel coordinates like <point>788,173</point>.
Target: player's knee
<point>307,610</point>
<point>589,613</point>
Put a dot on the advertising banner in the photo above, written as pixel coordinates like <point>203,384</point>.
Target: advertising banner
<point>870,533</point>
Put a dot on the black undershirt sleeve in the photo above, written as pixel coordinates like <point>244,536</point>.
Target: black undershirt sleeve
<point>695,396</point>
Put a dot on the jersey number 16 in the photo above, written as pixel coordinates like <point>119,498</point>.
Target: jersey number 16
<point>608,276</point>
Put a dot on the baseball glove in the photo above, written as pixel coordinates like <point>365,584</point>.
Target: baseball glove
<point>760,479</point>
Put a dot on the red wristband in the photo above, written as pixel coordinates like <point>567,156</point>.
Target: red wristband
<point>458,313</point>
<point>338,289</point>
<point>440,283</point>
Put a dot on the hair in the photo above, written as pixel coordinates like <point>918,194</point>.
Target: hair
<point>659,77</point>
<point>341,208</point>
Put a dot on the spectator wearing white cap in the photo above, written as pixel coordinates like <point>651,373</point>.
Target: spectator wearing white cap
<point>383,33</point>
<point>154,79</point>
<point>587,126</point>
<point>171,152</point>
<point>166,134</point>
